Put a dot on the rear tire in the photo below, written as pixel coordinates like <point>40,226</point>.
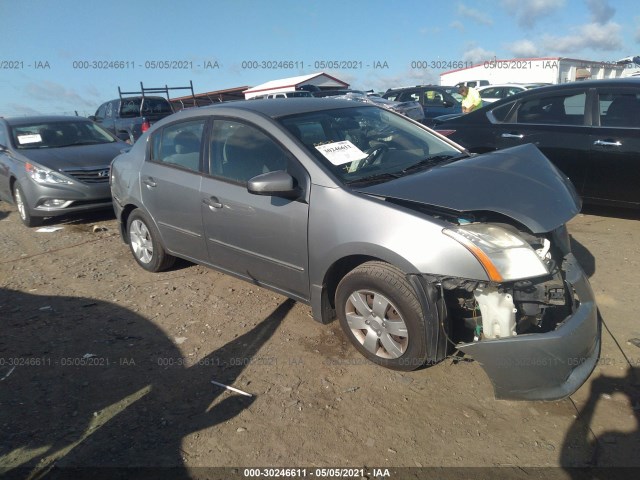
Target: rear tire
<point>144,241</point>
<point>379,311</point>
<point>23,208</point>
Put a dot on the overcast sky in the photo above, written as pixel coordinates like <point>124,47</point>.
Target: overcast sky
<point>71,55</point>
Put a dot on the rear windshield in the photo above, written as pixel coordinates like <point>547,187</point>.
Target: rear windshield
<point>132,107</point>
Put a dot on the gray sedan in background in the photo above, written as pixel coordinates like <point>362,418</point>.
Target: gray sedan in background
<point>414,244</point>
<point>52,166</point>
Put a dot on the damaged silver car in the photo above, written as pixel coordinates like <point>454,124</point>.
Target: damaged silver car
<point>416,246</point>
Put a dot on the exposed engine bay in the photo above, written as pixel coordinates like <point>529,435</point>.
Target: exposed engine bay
<point>487,310</point>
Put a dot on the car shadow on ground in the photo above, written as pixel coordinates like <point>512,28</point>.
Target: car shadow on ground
<point>586,260</point>
<point>82,218</point>
<point>86,384</point>
<point>583,450</point>
<point>615,212</point>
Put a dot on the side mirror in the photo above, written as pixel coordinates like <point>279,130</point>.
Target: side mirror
<point>93,118</point>
<point>447,103</point>
<point>3,148</point>
<point>278,184</point>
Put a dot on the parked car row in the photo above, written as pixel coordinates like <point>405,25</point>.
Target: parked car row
<point>410,109</point>
<point>435,100</point>
<point>492,93</point>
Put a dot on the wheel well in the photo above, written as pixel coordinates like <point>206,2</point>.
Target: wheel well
<point>12,183</point>
<point>338,270</point>
<point>124,218</point>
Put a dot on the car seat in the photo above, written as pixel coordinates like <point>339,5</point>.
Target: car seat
<point>248,153</point>
<point>187,151</point>
<point>624,111</point>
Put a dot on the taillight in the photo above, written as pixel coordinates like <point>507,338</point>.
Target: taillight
<point>446,133</point>
<point>145,125</point>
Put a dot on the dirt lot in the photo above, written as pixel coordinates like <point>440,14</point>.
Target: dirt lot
<point>104,364</point>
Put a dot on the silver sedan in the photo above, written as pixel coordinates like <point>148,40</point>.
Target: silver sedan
<point>415,245</point>
<point>52,166</point>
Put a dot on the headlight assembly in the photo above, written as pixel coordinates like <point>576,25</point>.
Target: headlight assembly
<point>503,255</point>
<point>45,176</point>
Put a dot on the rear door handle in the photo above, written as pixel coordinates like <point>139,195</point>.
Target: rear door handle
<point>212,202</point>
<point>149,182</point>
<point>605,143</point>
<point>512,135</point>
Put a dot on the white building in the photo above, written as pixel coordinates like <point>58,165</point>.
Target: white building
<point>320,80</point>
<point>533,70</point>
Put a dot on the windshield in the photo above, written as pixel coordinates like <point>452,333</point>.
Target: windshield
<point>368,144</point>
<point>59,134</point>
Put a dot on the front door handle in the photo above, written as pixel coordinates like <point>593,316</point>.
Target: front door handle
<point>212,203</point>
<point>605,143</point>
<point>513,135</point>
<point>149,182</point>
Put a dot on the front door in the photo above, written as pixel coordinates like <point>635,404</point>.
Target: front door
<point>263,239</point>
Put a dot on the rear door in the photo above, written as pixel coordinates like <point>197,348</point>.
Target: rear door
<point>170,182</point>
<point>614,161</point>
<point>262,239</point>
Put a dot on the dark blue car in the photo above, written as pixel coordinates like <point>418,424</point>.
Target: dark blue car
<point>435,100</point>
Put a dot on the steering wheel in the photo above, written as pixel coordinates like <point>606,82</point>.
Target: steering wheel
<point>372,154</point>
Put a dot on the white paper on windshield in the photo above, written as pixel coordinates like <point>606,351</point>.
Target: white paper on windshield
<point>32,138</point>
<point>340,153</point>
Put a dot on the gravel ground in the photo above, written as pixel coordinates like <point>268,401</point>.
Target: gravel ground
<point>104,364</point>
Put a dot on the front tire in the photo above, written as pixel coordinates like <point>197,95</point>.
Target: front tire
<point>380,313</point>
<point>144,241</point>
<point>23,208</point>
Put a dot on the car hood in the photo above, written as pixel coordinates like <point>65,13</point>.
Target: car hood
<point>77,156</point>
<point>518,182</point>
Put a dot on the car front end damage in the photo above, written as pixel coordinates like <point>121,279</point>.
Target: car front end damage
<point>537,337</point>
<point>529,315</point>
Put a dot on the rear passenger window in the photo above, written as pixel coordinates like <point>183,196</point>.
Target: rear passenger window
<point>619,109</point>
<point>557,110</point>
<point>179,144</point>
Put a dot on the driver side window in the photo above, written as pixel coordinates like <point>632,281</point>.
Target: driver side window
<point>240,152</point>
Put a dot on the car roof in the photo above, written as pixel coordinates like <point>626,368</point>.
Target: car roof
<point>280,107</point>
<point>605,82</point>
<point>484,87</point>
<point>14,121</point>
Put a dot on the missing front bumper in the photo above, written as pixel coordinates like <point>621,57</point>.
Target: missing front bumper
<point>545,366</point>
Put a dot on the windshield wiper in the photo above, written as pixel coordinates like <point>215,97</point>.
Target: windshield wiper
<point>434,160</point>
<point>378,177</point>
<point>86,142</point>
